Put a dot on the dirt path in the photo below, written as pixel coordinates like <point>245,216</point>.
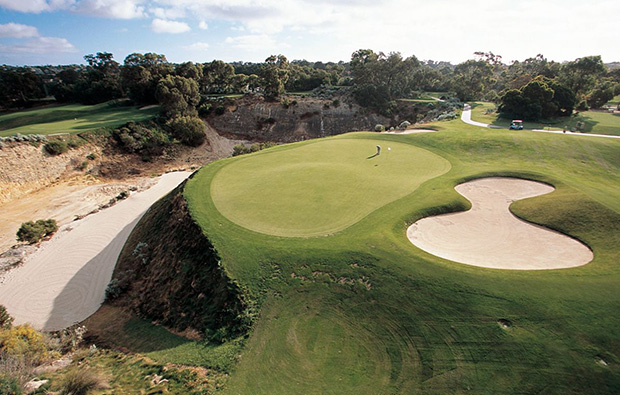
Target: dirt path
<point>490,236</point>
<point>64,281</point>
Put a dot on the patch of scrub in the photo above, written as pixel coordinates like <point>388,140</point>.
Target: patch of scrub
<point>489,235</point>
<point>322,187</point>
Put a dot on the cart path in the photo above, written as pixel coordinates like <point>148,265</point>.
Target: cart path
<point>466,117</point>
<point>64,281</point>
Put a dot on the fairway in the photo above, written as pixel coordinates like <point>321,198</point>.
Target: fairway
<point>72,118</point>
<point>319,188</point>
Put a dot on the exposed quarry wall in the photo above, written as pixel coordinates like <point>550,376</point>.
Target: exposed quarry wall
<point>25,167</point>
<point>256,119</point>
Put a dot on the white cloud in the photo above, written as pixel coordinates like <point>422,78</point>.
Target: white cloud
<point>41,45</point>
<point>17,30</point>
<point>168,13</point>
<point>198,46</point>
<point>164,26</point>
<point>252,42</point>
<point>35,6</point>
<point>203,25</point>
<point>117,9</point>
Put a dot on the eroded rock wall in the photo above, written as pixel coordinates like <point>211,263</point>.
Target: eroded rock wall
<point>256,119</point>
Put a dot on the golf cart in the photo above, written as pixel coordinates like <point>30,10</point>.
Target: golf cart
<point>516,124</point>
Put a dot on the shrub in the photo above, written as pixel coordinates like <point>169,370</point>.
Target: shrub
<point>33,232</point>
<point>219,110</point>
<point>189,130</point>
<point>5,319</point>
<point>91,156</point>
<point>23,341</point>
<point>10,386</point>
<point>404,125</point>
<point>139,137</point>
<point>56,147</point>
<point>379,128</point>
<point>80,381</point>
<point>205,109</point>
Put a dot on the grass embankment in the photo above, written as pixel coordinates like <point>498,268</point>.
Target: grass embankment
<point>72,118</point>
<point>595,121</point>
<point>363,310</point>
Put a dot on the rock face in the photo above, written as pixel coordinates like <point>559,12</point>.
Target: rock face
<point>256,119</point>
<point>26,168</point>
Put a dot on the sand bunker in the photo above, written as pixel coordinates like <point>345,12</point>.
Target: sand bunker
<point>64,281</point>
<point>489,235</point>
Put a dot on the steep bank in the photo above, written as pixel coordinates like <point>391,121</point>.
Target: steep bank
<point>299,119</point>
<point>169,272</point>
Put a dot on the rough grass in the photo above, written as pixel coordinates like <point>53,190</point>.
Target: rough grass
<point>595,121</point>
<point>365,311</point>
<point>71,118</point>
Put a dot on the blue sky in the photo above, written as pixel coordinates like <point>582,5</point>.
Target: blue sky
<point>63,31</point>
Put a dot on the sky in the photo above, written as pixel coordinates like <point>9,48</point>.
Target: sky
<point>38,32</point>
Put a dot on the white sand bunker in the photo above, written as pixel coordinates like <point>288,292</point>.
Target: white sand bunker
<point>409,131</point>
<point>489,235</point>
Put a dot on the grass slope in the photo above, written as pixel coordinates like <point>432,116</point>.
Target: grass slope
<point>365,311</point>
<point>71,118</point>
<point>595,121</point>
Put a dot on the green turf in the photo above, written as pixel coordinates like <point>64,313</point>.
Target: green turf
<point>320,187</point>
<point>364,311</point>
<point>595,121</point>
<point>71,118</point>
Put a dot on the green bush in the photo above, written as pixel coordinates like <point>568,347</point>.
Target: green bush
<point>33,232</point>
<point>5,319</point>
<point>145,137</point>
<point>9,385</point>
<point>56,147</point>
<point>379,128</point>
<point>189,130</point>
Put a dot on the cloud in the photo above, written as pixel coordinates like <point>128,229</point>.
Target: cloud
<point>17,30</point>
<point>164,26</point>
<point>35,6</point>
<point>116,9</point>
<point>198,46</point>
<point>203,25</point>
<point>168,13</point>
<point>41,45</point>
<point>252,42</point>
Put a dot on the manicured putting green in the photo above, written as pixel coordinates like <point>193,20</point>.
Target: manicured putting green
<point>322,187</point>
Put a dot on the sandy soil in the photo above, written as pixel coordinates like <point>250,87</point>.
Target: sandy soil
<point>63,202</point>
<point>490,236</point>
<point>64,281</point>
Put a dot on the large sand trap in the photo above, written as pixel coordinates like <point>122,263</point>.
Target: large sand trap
<point>64,281</point>
<point>489,235</point>
<point>409,131</point>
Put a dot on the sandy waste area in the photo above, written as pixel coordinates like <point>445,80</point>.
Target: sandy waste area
<point>64,281</point>
<point>490,236</point>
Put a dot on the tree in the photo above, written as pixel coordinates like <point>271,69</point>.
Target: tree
<point>581,75</point>
<point>102,81</point>
<point>141,73</point>
<point>539,98</point>
<point>274,75</point>
<point>218,77</point>
<point>18,86</point>
<point>471,79</point>
<point>189,70</point>
<point>602,93</point>
<point>177,96</point>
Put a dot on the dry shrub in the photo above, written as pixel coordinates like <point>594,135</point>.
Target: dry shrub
<point>80,381</point>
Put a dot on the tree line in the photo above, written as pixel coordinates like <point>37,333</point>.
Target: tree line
<point>532,89</point>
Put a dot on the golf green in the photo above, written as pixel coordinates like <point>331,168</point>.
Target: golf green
<point>321,187</point>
